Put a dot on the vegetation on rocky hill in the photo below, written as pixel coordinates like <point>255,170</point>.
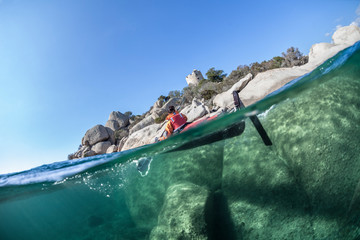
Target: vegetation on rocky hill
<point>217,81</point>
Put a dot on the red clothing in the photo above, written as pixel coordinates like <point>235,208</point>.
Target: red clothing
<point>175,121</point>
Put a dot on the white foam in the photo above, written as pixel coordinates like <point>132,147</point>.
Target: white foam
<point>35,176</point>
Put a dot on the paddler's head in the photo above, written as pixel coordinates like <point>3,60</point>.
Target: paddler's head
<point>171,109</point>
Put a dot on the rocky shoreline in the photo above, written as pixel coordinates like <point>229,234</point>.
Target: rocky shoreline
<point>120,133</point>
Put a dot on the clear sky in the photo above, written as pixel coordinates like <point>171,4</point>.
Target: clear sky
<point>65,65</point>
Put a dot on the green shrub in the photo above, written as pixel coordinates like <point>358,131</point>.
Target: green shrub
<point>208,94</point>
<point>215,75</point>
<point>121,133</point>
<point>161,118</point>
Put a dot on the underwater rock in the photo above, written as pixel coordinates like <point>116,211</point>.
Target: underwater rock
<point>263,197</point>
<point>145,196</point>
<point>95,221</point>
<point>183,213</point>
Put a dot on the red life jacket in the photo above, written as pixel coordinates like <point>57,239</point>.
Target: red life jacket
<point>177,120</point>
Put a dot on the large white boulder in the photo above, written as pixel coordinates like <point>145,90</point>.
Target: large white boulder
<point>342,38</point>
<point>111,149</point>
<point>94,135</point>
<point>157,112</point>
<point>149,120</point>
<point>196,110</point>
<point>266,82</point>
<point>141,137</point>
<point>225,100</point>
<point>347,35</point>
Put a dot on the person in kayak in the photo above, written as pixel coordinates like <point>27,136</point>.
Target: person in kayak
<point>176,122</point>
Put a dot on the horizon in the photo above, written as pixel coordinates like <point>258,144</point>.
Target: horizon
<point>65,66</point>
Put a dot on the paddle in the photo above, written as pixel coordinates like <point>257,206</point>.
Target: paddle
<point>238,105</point>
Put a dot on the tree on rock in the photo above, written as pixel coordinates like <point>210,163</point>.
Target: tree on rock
<point>215,75</point>
<point>293,57</point>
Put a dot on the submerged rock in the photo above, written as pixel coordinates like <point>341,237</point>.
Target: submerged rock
<point>145,196</point>
<point>183,213</point>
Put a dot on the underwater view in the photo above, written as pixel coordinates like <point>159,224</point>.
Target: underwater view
<point>216,181</point>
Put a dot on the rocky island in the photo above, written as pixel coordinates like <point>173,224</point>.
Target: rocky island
<point>124,131</point>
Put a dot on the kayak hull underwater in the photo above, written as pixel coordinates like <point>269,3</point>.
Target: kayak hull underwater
<point>232,131</point>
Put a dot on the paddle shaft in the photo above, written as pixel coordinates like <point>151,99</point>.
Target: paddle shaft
<point>239,104</point>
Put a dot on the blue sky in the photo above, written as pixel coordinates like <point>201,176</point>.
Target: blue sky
<point>66,65</point>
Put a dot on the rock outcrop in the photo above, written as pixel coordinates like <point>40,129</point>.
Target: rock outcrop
<point>194,78</point>
<point>149,120</point>
<point>111,149</point>
<point>101,147</point>
<point>96,141</point>
<point>342,38</point>
<point>94,135</point>
<point>158,111</point>
<point>117,120</point>
<point>196,110</point>
<point>141,137</point>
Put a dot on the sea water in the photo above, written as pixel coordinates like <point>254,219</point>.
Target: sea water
<point>209,183</point>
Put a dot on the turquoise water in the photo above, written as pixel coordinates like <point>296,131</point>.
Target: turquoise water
<point>209,183</point>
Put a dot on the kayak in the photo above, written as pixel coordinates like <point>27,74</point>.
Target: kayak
<point>232,131</point>
<point>199,121</point>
